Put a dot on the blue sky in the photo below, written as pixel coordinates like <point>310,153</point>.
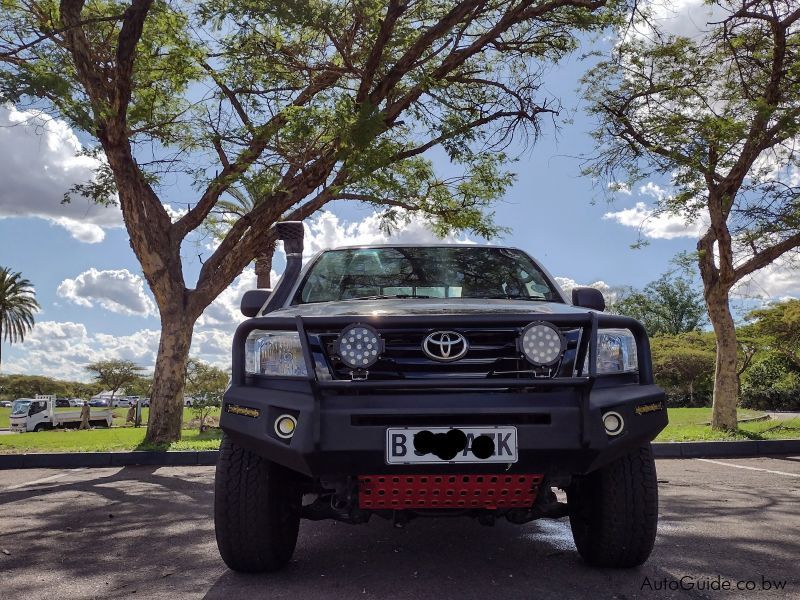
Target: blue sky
<point>95,304</point>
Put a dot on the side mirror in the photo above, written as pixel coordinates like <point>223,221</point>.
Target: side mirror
<point>253,300</point>
<point>588,298</point>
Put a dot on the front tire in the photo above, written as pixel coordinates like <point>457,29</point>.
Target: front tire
<point>613,512</point>
<point>256,510</point>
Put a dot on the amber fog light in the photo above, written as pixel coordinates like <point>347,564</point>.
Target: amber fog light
<point>285,426</point>
<point>613,423</point>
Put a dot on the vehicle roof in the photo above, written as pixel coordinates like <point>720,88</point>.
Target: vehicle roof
<point>434,245</point>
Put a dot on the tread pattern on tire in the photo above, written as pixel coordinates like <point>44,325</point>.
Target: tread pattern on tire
<point>256,511</point>
<point>614,511</point>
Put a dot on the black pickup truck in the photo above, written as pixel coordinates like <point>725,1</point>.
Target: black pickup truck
<point>405,381</point>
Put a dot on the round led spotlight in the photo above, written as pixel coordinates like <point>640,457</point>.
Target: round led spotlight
<point>359,346</point>
<point>613,423</point>
<point>285,426</point>
<point>542,344</point>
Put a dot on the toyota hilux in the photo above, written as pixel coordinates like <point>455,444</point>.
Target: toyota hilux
<point>405,381</point>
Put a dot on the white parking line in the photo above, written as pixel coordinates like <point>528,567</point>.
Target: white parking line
<point>42,480</point>
<point>727,464</point>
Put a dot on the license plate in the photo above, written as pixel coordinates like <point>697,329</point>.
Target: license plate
<point>400,448</point>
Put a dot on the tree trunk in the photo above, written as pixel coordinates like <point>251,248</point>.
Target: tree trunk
<point>264,268</point>
<point>725,374</point>
<point>166,401</point>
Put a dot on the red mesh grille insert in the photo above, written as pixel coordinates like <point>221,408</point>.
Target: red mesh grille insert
<point>398,492</point>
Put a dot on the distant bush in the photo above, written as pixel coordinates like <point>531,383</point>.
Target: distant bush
<point>771,399</point>
<point>683,400</point>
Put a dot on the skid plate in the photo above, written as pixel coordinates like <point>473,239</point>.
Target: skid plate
<point>400,492</point>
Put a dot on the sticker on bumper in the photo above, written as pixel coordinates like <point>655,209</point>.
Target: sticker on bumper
<point>244,411</point>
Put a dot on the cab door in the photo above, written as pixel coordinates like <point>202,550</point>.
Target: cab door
<point>37,414</point>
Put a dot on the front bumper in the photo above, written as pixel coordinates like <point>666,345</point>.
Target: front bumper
<point>341,432</point>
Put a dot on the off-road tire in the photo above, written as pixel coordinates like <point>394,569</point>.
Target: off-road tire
<point>613,511</point>
<point>256,510</point>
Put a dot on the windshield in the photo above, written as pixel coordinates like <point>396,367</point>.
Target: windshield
<point>425,272</point>
<point>20,407</point>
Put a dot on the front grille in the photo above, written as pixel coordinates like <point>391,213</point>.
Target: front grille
<point>492,354</point>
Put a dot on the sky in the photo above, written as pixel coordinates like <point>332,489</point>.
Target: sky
<point>96,305</point>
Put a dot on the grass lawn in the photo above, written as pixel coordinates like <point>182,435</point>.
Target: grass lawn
<point>102,440</point>
<point>4,412</point>
<point>688,425</point>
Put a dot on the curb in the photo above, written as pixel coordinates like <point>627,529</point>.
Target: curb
<point>743,449</point>
<point>64,460</point>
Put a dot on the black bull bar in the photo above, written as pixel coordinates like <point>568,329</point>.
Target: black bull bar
<point>589,322</point>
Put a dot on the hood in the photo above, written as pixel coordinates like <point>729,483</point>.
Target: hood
<point>425,306</point>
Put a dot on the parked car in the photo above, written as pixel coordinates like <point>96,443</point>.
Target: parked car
<point>99,402</point>
<point>417,381</point>
<point>62,403</point>
<point>5,404</point>
<point>76,401</point>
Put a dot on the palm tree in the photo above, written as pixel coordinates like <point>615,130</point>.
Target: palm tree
<point>227,212</point>
<point>17,306</point>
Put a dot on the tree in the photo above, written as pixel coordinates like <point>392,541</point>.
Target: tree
<point>27,386</point>
<point>718,113</point>
<point>140,386</point>
<point>114,374</point>
<point>684,362</point>
<point>780,324</point>
<point>670,305</point>
<point>325,101</point>
<point>17,307</point>
<point>206,384</point>
<point>224,216</point>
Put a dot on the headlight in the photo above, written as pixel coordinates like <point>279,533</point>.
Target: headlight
<point>616,352</point>
<point>276,353</point>
<point>542,344</point>
<point>359,346</point>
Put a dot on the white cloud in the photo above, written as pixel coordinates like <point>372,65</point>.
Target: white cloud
<point>684,18</point>
<point>40,163</point>
<point>213,346</point>
<point>173,212</point>
<point>224,311</point>
<point>63,349</point>
<point>780,279</point>
<point>567,284</point>
<point>118,291</point>
<point>327,231</point>
<point>659,225</point>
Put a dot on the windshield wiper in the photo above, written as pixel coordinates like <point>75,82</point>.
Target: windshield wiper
<point>385,297</point>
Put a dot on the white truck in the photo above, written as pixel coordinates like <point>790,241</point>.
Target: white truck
<point>40,413</point>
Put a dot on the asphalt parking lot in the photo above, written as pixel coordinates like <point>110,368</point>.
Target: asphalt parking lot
<point>147,532</point>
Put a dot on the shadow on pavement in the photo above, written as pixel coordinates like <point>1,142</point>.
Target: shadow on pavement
<point>148,533</point>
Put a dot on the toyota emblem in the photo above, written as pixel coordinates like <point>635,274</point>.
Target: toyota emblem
<point>445,346</point>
